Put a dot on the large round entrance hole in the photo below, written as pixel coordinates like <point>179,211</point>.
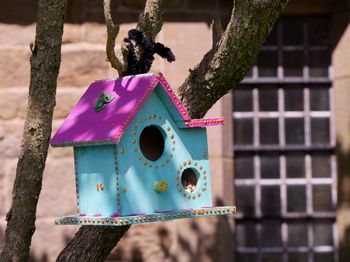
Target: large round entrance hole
<point>189,179</point>
<point>152,143</point>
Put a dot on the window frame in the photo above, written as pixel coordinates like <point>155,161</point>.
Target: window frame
<point>307,149</point>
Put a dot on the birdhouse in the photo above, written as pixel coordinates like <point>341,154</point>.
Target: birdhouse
<point>139,157</point>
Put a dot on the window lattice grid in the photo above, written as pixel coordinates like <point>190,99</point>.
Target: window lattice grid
<point>283,117</point>
<point>296,50</point>
<point>289,185</point>
<point>284,162</point>
<point>286,240</point>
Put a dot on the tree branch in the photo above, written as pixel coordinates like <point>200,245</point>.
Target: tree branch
<point>217,31</point>
<point>151,20</point>
<point>226,64</point>
<point>112,33</point>
<point>45,63</point>
<point>98,243</point>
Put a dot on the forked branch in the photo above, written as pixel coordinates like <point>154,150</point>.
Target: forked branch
<point>112,33</point>
<point>226,64</point>
<point>151,20</point>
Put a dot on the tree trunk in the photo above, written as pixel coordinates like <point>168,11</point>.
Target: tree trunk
<point>98,241</point>
<point>45,62</point>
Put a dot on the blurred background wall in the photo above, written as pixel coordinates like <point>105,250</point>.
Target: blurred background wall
<point>285,165</point>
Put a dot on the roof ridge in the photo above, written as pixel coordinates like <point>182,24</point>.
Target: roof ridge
<point>130,97</point>
<point>126,77</point>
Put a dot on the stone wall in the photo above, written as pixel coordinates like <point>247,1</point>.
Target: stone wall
<point>83,61</point>
<point>341,84</point>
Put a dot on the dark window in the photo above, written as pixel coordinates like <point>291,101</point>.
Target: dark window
<point>284,162</point>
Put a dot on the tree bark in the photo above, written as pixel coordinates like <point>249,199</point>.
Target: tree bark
<point>220,70</point>
<point>226,64</point>
<point>96,245</point>
<point>112,33</point>
<point>45,62</point>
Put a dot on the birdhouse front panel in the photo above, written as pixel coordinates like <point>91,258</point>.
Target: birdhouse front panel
<point>96,180</point>
<point>162,167</point>
<point>139,157</point>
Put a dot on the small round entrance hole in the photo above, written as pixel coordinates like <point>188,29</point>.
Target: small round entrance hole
<point>189,179</point>
<point>152,143</point>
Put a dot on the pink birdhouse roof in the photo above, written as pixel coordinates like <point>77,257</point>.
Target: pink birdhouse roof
<point>84,125</point>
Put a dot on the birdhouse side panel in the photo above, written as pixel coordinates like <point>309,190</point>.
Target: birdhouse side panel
<point>193,178</point>
<point>154,156</point>
<point>96,180</point>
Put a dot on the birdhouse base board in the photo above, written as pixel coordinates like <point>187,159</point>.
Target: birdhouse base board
<point>145,218</point>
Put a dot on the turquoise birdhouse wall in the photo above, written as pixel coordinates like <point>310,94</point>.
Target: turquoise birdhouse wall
<point>139,157</point>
